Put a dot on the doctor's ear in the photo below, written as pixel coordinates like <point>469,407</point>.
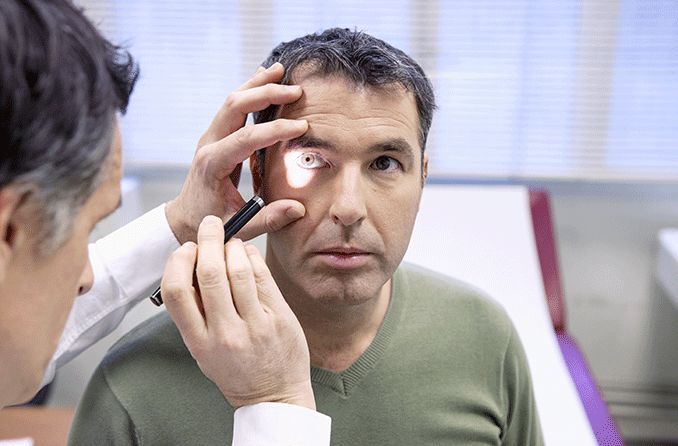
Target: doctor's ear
<point>12,231</point>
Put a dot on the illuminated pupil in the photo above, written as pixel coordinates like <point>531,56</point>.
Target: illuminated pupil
<point>307,160</point>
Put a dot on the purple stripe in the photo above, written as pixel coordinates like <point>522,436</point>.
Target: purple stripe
<point>602,423</point>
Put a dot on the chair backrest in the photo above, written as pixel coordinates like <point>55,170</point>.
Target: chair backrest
<point>488,241</point>
<point>540,208</point>
<point>603,424</point>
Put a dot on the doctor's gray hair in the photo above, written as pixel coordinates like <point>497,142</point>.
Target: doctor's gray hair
<point>61,84</point>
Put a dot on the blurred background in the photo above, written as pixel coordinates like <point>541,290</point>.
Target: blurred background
<point>577,97</point>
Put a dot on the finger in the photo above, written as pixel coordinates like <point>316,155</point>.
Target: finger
<point>264,76</point>
<point>273,217</point>
<point>179,295</point>
<point>239,104</point>
<point>241,279</point>
<point>258,98</point>
<point>268,292</point>
<point>211,273</point>
<point>225,155</point>
<point>228,152</point>
<point>227,120</point>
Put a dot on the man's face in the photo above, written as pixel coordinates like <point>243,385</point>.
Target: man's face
<point>358,172</point>
<point>38,291</point>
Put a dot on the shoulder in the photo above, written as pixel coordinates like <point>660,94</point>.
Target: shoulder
<point>149,358</point>
<point>148,371</point>
<point>457,328</point>
<point>431,291</point>
<point>155,338</point>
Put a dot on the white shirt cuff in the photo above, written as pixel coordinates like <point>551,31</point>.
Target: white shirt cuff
<point>280,424</point>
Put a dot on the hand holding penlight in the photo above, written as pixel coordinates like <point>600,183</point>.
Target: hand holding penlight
<point>232,226</point>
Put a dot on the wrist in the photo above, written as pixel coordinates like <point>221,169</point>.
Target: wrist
<point>304,398</point>
<point>183,231</point>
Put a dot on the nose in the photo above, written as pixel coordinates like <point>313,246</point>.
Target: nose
<point>348,204</point>
<point>86,279</point>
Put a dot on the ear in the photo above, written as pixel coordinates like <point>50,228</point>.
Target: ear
<point>424,169</point>
<point>11,234</point>
<point>256,178</point>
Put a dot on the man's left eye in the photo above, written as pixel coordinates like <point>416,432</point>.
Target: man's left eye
<point>385,163</point>
<point>310,161</point>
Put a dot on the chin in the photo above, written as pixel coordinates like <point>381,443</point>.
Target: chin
<point>29,383</point>
<point>343,293</point>
<point>24,389</point>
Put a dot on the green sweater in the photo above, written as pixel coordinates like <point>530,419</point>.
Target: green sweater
<point>446,368</point>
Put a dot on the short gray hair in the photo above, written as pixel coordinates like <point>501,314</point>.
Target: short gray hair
<point>61,84</point>
<point>359,58</point>
<point>57,193</point>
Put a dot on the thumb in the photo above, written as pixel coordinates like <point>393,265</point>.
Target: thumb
<point>267,290</point>
<point>273,217</point>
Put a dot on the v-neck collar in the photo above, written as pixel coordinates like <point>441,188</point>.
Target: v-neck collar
<point>344,382</point>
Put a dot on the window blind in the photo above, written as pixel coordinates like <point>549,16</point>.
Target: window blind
<point>553,89</point>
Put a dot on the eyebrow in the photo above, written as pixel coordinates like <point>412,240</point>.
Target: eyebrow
<point>306,141</point>
<point>399,145</point>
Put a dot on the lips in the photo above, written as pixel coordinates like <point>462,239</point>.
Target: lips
<point>343,257</point>
<point>343,250</point>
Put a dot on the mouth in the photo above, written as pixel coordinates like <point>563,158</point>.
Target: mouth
<point>343,250</point>
<point>341,257</point>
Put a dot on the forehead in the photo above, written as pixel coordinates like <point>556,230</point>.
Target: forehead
<point>334,105</point>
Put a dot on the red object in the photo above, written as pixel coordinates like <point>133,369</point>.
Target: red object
<point>604,427</point>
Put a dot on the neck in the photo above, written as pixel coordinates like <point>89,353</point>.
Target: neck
<point>338,334</point>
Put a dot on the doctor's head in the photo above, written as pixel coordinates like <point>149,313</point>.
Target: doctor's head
<point>61,85</point>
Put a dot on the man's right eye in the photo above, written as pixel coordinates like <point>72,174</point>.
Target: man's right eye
<point>309,160</point>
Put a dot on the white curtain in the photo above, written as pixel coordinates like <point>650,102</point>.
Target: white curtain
<point>526,89</point>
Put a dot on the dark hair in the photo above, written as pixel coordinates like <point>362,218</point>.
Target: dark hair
<point>360,59</point>
<point>61,84</point>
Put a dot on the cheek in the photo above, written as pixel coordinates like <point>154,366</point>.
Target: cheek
<point>75,259</point>
<point>298,232</point>
<point>274,183</point>
<point>397,213</point>
<point>297,177</point>
<point>277,186</point>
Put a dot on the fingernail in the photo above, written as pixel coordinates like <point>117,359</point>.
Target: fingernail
<point>295,212</point>
<point>260,69</point>
<point>274,66</point>
<point>212,220</point>
<point>252,251</point>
